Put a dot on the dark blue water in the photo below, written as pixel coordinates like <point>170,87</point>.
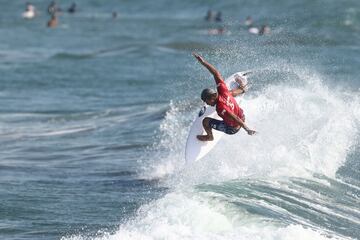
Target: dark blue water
<point>94,116</point>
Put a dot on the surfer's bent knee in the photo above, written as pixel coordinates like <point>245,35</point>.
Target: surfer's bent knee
<point>206,122</point>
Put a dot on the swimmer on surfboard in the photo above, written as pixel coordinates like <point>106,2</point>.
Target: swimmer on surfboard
<point>226,106</point>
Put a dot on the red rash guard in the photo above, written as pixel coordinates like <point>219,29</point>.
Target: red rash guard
<point>227,103</point>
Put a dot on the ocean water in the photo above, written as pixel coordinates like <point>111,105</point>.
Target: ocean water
<point>94,117</point>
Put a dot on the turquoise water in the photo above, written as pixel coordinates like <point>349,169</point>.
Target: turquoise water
<point>94,117</point>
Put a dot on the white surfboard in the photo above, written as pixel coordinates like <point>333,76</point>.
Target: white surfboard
<point>196,149</point>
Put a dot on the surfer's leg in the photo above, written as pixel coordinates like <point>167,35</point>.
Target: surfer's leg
<point>209,136</point>
<point>222,127</point>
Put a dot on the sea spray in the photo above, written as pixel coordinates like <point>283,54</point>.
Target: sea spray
<point>304,128</point>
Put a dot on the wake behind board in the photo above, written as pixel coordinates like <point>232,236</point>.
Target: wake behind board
<point>196,149</point>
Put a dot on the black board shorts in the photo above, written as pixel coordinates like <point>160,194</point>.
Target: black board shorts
<point>221,126</point>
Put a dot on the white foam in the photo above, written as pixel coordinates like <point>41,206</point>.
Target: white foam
<point>64,131</point>
<point>168,152</point>
<point>185,216</point>
<point>303,129</point>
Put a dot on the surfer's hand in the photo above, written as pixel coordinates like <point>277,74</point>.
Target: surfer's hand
<point>251,132</point>
<point>198,57</point>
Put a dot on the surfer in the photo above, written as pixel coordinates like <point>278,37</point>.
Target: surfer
<point>53,8</point>
<point>249,22</point>
<point>30,11</point>
<point>72,8</point>
<point>226,106</point>
<point>53,22</point>
<point>209,15</point>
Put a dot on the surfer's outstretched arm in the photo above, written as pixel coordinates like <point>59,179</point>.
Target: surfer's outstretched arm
<point>241,123</point>
<point>217,76</point>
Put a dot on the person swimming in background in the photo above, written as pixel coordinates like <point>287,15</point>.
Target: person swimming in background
<point>209,15</point>
<point>249,25</point>
<point>72,8</point>
<point>249,22</point>
<point>53,22</point>
<point>264,30</point>
<point>53,8</point>
<point>225,103</point>
<point>218,17</point>
<point>30,11</point>
<point>114,15</point>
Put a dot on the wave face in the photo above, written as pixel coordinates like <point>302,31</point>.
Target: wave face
<point>304,128</point>
<point>292,178</point>
<point>295,178</point>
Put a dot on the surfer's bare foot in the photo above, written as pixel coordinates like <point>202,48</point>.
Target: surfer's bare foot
<point>205,137</point>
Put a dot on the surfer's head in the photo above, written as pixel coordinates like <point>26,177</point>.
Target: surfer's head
<point>209,96</point>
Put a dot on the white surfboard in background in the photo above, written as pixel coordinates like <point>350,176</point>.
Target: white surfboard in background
<point>196,149</point>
